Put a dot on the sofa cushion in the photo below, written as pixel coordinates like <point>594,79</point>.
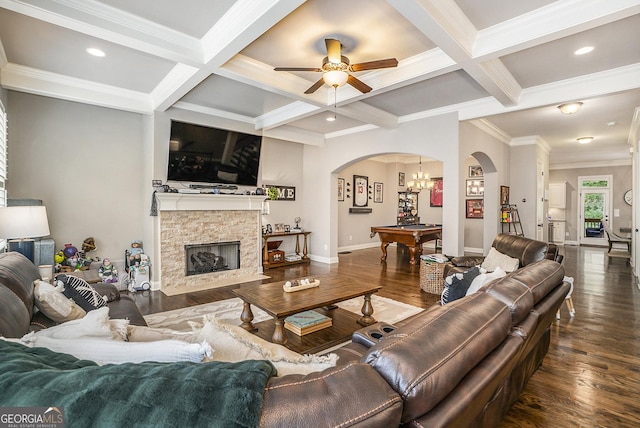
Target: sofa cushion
<point>484,278</point>
<point>457,284</point>
<point>54,304</point>
<point>81,292</point>
<point>426,358</point>
<point>496,259</point>
<point>541,277</point>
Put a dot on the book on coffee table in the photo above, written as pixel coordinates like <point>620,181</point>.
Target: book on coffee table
<point>306,322</point>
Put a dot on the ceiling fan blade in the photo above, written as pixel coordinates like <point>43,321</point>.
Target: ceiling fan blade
<point>315,87</point>
<point>297,69</point>
<point>333,50</point>
<point>372,65</point>
<point>358,84</point>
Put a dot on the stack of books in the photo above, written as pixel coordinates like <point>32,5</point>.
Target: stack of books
<point>306,322</point>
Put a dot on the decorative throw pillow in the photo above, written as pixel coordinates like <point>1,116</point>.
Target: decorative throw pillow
<point>81,292</point>
<point>54,304</point>
<point>456,285</point>
<point>484,278</point>
<point>496,259</point>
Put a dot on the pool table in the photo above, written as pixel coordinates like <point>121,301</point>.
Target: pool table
<point>413,236</point>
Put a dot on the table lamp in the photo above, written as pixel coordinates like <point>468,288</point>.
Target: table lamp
<point>21,224</point>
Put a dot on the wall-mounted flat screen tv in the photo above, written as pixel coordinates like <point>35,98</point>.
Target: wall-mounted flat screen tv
<point>204,154</point>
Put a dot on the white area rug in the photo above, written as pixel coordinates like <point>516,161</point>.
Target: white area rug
<point>387,310</point>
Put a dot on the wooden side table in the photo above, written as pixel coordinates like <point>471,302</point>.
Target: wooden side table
<point>266,264</point>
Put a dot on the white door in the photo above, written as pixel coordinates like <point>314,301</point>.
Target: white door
<point>595,200</point>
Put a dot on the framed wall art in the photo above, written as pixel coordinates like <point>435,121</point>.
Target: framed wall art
<point>475,171</point>
<point>435,197</point>
<point>475,187</point>
<point>360,191</point>
<point>401,179</point>
<point>340,189</point>
<point>377,192</point>
<point>504,195</point>
<point>475,208</point>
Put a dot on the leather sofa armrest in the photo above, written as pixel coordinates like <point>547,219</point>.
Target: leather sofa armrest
<point>372,334</point>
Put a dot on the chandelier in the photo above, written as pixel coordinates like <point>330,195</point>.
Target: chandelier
<point>419,180</point>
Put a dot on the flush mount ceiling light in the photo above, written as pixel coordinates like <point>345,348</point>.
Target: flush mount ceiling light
<point>570,108</point>
<point>585,140</point>
<point>584,50</point>
<point>96,52</point>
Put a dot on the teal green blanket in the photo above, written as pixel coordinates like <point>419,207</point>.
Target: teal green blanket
<point>211,394</point>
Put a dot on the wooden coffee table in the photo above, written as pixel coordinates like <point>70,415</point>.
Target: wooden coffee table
<point>272,299</point>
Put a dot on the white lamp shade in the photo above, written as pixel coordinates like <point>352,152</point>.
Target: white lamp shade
<point>23,222</point>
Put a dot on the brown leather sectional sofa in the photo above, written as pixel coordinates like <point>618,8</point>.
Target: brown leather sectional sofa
<point>17,308</point>
<point>459,365</point>
<point>462,364</point>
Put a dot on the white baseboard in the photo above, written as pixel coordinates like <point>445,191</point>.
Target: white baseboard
<point>358,247</point>
<point>473,250</point>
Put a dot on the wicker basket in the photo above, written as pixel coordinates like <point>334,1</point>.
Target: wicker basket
<point>431,277</point>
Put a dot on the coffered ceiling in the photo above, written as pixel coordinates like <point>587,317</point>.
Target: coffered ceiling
<point>503,65</point>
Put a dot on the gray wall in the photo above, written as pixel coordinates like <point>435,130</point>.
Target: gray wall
<point>85,163</point>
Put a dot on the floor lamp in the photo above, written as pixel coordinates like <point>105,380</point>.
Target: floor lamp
<point>20,225</point>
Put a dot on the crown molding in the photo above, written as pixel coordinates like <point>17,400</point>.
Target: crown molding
<point>489,128</point>
<point>590,164</point>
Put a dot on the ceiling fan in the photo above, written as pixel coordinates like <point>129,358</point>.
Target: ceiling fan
<point>336,69</point>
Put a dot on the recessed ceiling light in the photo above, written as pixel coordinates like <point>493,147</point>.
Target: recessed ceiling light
<point>96,52</point>
<point>331,118</point>
<point>584,50</point>
<point>585,140</point>
<point>612,123</point>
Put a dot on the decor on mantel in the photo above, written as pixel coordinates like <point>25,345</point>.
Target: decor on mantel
<point>281,193</point>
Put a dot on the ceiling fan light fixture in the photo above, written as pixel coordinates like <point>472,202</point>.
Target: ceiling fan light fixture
<point>585,140</point>
<point>570,108</point>
<point>335,78</point>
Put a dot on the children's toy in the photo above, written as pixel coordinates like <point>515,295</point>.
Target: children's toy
<point>133,255</point>
<point>108,272</point>
<point>137,267</point>
<point>69,250</point>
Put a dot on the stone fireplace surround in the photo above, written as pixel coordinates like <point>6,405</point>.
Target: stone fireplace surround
<point>185,219</point>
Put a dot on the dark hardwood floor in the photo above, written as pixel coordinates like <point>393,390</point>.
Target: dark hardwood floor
<point>589,378</point>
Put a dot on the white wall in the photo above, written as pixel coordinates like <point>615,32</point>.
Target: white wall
<point>435,137</point>
<point>85,163</point>
<point>478,147</point>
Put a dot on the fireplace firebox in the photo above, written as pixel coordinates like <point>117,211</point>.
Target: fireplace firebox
<point>213,257</point>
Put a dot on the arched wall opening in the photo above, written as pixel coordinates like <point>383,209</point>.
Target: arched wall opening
<point>435,138</point>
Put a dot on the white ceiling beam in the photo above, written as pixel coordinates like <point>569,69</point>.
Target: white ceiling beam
<point>548,23</point>
<point>221,43</point>
<point>283,115</point>
<point>34,81</point>
<point>297,135</point>
<point>369,114</point>
<point>444,23</point>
